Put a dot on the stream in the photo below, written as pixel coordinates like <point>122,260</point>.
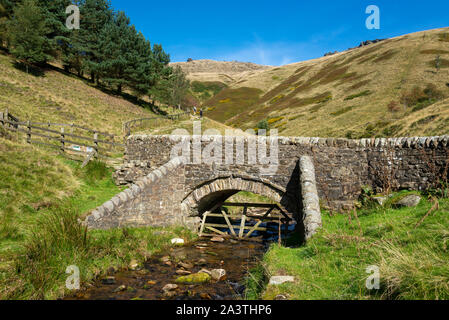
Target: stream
<point>150,282</point>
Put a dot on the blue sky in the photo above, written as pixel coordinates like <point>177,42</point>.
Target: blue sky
<point>274,32</point>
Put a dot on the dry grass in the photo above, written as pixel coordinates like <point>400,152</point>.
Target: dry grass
<point>60,98</point>
<point>387,69</point>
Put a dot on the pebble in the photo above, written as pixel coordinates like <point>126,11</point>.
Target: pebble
<point>109,280</point>
<point>177,241</point>
<point>218,274</point>
<point>205,271</point>
<point>120,289</point>
<point>201,262</point>
<point>217,239</point>
<point>205,296</point>
<point>183,272</point>
<point>170,287</point>
<point>185,265</point>
<point>134,265</point>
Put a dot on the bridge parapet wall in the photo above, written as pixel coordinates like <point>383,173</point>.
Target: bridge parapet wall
<point>154,200</point>
<point>342,166</point>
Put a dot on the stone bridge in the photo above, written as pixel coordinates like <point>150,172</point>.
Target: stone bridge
<point>170,183</point>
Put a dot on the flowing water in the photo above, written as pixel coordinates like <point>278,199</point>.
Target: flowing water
<point>236,257</point>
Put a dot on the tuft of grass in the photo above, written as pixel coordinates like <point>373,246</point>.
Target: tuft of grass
<point>358,95</point>
<point>342,111</point>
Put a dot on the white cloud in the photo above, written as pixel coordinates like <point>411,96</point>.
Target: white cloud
<point>275,54</point>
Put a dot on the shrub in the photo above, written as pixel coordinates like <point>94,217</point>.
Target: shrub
<point>394,106</point>
<point>263,125</point>
<point>421,98</point>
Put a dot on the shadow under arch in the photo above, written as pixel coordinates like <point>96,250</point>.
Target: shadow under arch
<point>207,195</point>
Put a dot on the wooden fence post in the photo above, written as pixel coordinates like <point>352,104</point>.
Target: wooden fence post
<point>29,131</point>
<point>6,117</point>
<point>62,140</point>
<point>96,144</point>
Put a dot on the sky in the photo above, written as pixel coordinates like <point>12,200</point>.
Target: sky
<point>274,32</point>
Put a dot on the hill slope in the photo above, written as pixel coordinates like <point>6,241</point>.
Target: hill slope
<point>227,72</point>
<point>62,98</point>
<point>356,93</point>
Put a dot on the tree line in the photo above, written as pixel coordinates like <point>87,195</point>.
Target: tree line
<point>106,48</point>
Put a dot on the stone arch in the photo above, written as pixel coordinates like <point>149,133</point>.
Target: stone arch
<point>205,196</point>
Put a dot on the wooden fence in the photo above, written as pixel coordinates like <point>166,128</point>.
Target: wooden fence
<point>69,138</point>
<point>144,123</point>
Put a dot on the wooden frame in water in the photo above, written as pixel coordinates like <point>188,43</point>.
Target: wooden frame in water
<point>250,222</point>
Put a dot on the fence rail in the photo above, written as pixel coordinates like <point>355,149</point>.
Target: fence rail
<point>139,123</point>
<point>57,139</point>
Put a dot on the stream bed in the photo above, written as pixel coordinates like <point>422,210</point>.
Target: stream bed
<point>156,279</point>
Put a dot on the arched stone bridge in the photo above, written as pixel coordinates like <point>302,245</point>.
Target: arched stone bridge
<point>169,186</point>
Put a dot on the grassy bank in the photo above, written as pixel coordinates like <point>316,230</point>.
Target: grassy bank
<point>412,257</point>
<point>42,196</point>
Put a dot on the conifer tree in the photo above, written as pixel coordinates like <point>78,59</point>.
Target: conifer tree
<point>95,14</point>
<point>55,17</point>
<point>28,34</point>
<point>6,10</point>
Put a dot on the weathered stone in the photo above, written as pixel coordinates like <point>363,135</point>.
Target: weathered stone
<point>120,289</point>
<point>108,280</point>
<point>217,239</point>
<point>177,241</point>
<point>134,265</point>
<point>278,280</point>
<point>409,201</point>
<point>196,278</point>
<point>169,287</point>
<point>218,274</point>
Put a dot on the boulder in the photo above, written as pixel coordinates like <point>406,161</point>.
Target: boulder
<point>218,274</point>
<point>409,201</point>
<point>177,241</point>
<point>196,278</point>
<point>278,280</point>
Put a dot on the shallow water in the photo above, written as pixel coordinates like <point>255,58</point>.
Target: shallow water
<point>237,258</point>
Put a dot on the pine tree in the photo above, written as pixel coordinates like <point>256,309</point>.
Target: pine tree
<point>95,14</point>
<point>115,49</point>
<point>172,88</point>
<point>27,33</point>
<point>55,17</point>
<point>6,10</point>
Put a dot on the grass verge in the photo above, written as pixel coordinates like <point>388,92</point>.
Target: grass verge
<point>42,197</point>
<point>412,260</point>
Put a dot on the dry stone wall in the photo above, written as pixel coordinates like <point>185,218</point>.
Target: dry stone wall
<point>342,166</point>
